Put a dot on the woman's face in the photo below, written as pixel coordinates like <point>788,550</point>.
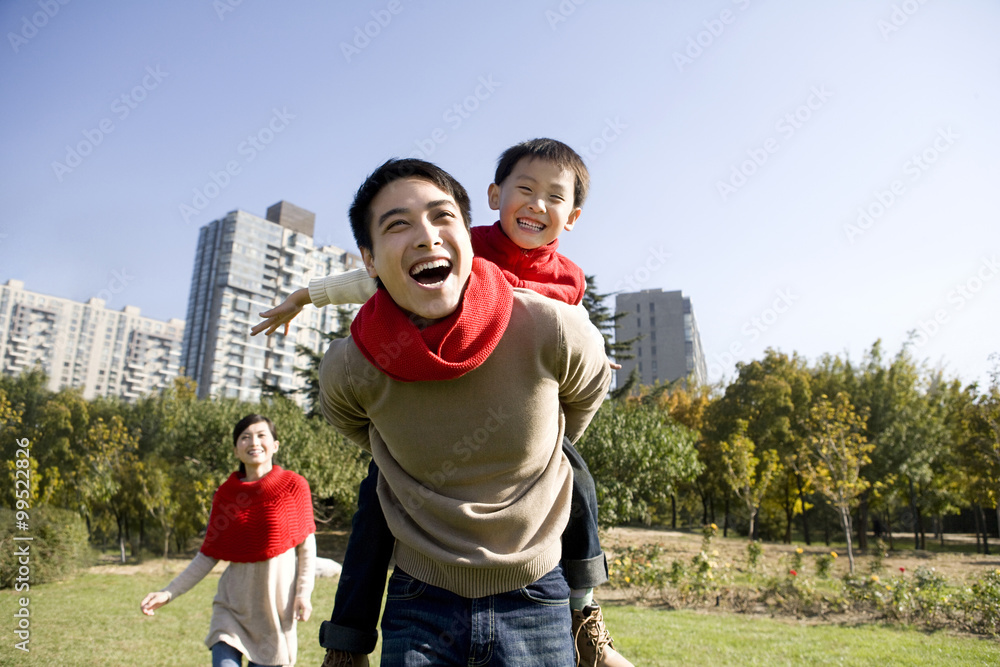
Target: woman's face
<point>256,445</point>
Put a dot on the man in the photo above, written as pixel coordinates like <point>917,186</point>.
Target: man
<point>462,388</point>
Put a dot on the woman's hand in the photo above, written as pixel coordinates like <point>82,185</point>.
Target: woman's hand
<point>303,609</point>
<point>154,601</point>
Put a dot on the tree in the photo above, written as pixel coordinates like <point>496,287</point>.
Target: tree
<point>833,455</point>
<point>769,400</point>
<point>747,475</point>
<point>638,456</point>
<point>606,322</point>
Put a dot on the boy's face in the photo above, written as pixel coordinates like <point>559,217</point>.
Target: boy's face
<point>535,202</point>
<point>421,249</point>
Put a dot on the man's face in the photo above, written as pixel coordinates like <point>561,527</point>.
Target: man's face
<point>421,249</point>
<point>535,202</point>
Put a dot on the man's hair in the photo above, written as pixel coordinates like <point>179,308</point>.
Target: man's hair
<point>553,151</point>
<point>394,169</point>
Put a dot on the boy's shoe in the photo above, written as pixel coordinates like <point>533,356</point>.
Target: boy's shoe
<point>594,646</point>
<point>335,658</point>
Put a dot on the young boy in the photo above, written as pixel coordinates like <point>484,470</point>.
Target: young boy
<point>538,189</point>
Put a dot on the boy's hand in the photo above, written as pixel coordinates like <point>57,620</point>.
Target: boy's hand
<point>614,366</point>
<point>283,313</point>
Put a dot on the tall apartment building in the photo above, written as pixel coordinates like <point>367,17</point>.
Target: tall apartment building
<point>246,264</point>
<point>86,345</point>
<point>670,345</point>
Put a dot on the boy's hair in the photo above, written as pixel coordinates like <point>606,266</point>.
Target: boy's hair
<point>394,169</point>
<point>553,151</point>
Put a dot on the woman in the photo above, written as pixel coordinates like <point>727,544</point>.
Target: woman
<point>262,523</point>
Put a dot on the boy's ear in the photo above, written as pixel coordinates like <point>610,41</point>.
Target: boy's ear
<point>494,196</point>
<point>369,260</point>
<point>572,219</point>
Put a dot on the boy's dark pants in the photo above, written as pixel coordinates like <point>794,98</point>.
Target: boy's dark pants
<point>352,626</point>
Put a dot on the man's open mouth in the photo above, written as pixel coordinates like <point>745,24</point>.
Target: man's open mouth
<point>431,273</point>
<point>530,225</point>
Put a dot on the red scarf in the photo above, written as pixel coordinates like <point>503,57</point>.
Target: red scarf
<point>255,521</point>
<point>542,270</point>
<point>445,350</point>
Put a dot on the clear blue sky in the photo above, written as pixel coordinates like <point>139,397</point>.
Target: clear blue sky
<point>731,146</point>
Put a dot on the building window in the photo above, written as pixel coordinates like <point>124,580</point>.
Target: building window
<point>638,307</point>
<point>652,335</point>
<point>653,351</point>
<point>652,321</point>
<point>640,352</point>
<point>638,322</point>
<point>652,307</point>
<point>640,367</point>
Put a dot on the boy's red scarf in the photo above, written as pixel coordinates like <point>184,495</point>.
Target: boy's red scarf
<point>542,270</point>
<point>255,521</point>
<point>445,350</point>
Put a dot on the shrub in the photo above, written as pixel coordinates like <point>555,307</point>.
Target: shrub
<point>638,568</point>
<point>824,563</point>
<point>58,550</point>
<point>754,552</point>
<point>982,604</point>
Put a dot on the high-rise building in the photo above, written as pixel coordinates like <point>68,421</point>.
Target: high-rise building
<point>246,264</point>
<point>670,345</point>
<point>102,351</point>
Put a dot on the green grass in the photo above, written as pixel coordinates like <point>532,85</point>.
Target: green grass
<point>653,637</point>
<point>94,619</point>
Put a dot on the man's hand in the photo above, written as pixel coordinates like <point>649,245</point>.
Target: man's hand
<point>283,313</point>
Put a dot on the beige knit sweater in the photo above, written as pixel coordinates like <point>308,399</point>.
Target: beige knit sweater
<point>253,609</point>
<point>473,481</point>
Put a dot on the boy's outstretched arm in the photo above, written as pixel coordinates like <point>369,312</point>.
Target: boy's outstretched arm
<point>283,313</point>
<point>336,289</point>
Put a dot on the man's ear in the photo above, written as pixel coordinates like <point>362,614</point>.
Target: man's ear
<point>369,260</point>
<point>494,196</point>
<point>572,219</point>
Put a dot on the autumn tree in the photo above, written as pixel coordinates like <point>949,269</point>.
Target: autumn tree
<point>769,400</point>
<point>833,455</point>
<point>748,475</point>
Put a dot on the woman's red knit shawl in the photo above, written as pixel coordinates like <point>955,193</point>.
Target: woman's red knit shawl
<point>256,521</point>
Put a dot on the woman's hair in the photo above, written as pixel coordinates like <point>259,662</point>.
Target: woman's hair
<point>246,423</point>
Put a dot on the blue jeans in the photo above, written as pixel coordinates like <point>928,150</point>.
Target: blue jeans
<point>425,625</point>
<point>356,608</point>
<point>224,655</point>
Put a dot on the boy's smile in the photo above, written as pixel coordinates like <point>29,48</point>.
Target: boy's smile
<point>535,202</point>
<point>421,249</point>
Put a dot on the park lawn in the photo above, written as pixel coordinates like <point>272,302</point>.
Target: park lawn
<point>94,619</point>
